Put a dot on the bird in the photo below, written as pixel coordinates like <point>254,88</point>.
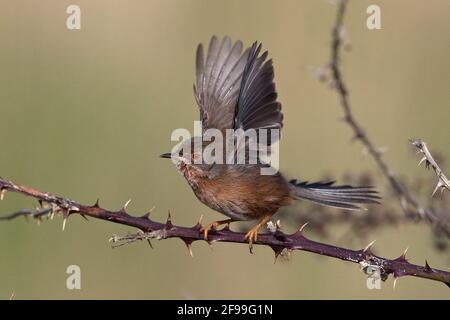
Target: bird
<point>235,89</point>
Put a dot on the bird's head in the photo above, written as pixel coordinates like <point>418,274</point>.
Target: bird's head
<point>188,159</point>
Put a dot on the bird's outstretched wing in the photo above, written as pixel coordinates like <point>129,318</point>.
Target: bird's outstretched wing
<point>218,82</point>
<point>258,107</point>
<point>236,90</point>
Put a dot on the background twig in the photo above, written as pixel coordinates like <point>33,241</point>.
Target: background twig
<point>407,199</point>
<point>443,182</point>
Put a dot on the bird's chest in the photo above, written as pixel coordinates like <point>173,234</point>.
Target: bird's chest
<point>236,196</point>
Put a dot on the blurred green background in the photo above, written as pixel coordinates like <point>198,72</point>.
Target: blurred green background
<point>86,113</point>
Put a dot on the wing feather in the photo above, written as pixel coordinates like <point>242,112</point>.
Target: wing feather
<point>258,107</point>
<point>235,89</point>
<point>218,81</point>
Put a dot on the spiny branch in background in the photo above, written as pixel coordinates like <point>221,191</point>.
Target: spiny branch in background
<point>275,239</point>
<point>358,228</point>
<point>408,201</point>
<point>443,182</point>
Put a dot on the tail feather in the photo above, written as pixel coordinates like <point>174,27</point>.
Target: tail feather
<point>343,196</point>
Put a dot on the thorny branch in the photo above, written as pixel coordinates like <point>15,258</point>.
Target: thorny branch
<point>407,199</point>
<point>443,182</point>
<point>275,239</point>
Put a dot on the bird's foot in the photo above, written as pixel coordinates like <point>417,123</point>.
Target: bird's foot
<point>252,235</point>
<point>213,226</point>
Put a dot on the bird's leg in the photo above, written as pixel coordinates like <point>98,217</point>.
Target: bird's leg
<point>252,235</point>
<point>214,225</point>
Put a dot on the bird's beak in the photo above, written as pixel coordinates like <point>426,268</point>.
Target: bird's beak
<point>167,155</point>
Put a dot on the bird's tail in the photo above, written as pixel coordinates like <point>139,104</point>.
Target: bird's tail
<point>325,193</point>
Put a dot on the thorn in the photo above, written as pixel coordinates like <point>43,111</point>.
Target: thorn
<point>188,243</point>
<point>66,216</point>
<point>189,246</point>
<point>405,252</point>
<point>439,185</point>
<point>198,226</point>
<point>85,218</point>
<point>299,232</point>
<point>427,267</point>
<point>97,203</point>
<point>11,297</point>
<point>422,160</point>
<point>148,213</point>
<point>403,256</point>
<point>169,221</point>
<point>2,194</point>
<point>367,249</point>
<point>199,222</point>
<point>286,256</point>
<point>124,208</point>
<point>303,226</point>
<point>277,250</point>
<point>395,283</point>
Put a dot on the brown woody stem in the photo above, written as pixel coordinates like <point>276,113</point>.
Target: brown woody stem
<point>277,240</point>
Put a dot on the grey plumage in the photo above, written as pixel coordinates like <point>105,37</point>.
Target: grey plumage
<point>344,196</point>
<point>218,82</point>
<point>234,89</point>
<point>257,105</point>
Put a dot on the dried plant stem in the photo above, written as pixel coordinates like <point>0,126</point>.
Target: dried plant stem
<point>277,240</point>
<point>406,197</point>
<point>443,182</point>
